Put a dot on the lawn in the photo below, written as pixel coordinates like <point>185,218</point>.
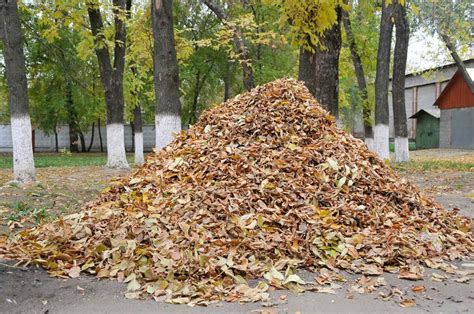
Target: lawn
<point>45,160</point>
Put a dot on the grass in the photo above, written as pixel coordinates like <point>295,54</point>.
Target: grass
<point>22,210</point>
<point>437,165</point>
<point>411,146</point>
<point>44,160</point>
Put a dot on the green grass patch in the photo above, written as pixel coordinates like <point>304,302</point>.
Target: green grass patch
<point>411,146</point>
<point>44,160</point>
<point>22,211</point>
<point>435,165</point>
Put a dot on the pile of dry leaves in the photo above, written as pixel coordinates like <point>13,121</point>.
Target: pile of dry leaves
<point>261,186</point>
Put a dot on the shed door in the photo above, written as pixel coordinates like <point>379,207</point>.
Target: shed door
<point>462,128</point>
<point>428,132</point>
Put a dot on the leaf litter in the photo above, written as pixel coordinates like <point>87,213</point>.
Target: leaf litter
<point>261,186</point>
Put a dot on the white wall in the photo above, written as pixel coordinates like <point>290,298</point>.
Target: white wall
<point>46,142</point>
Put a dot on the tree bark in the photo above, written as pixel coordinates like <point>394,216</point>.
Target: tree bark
<point>166,73</point>
<point>307,69</point>
<point>92,137</point>
<point>320,69</point>
<point>100,136</point>
<point>15,72</point>
<point>402,36</point>
<point>72,121</point>
<point>112,79</point>
<point>83,141</point>
<point>360,75</point>
<point>227,81</point>
<point>381,131</point>
<point>56,141</point>
<point>239,43</point>
<point>194,105</point>
<point>138,135</point>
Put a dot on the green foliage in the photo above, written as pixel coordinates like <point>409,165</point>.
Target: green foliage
<point>308,19</point>
<point>450,18</point>
<point>60,53</point>
<point>365,21</point>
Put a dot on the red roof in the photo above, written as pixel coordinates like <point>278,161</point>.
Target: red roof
<point>457,94</point>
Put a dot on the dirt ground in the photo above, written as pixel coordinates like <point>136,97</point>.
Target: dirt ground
<point>30,290</point>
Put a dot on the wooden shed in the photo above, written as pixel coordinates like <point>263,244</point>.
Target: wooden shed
<point>427,128</point>
<point>456,103</point>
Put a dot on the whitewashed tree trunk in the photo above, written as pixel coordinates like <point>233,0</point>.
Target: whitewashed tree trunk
<point>15,73</point>
<point>112,78</point>
<point>402,153</point>
<point>398,83</point>
<point>381,140</point>
<point>381,130</point>
<point>23,162</point>
<point>166,125</point>
<point>116,157</point>
<point>166,74</point>
<point>139,158</point>
<point>138,137</point>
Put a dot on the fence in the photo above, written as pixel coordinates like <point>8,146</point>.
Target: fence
<point>46,142</point>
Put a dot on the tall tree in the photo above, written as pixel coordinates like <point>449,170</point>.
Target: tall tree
<point>166,73</point>
<point>112,78</point>
<point>239,43</point>
<point>72,120</point>
<point>319,69</point>
<point>315,27</point>
<point>15,70</point>
<point>361,81</point>
<point>381,130</point>
<point>402,36</point>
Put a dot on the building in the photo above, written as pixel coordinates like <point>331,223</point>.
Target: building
<point>427,128</point>
<point>456,104</point>
<point>422,90</point>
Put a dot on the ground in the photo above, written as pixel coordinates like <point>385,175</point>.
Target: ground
<point>447,175</point>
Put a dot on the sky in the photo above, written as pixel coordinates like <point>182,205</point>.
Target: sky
<point>426,51</point>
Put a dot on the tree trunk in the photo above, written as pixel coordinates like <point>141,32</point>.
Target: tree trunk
<point>92,138</point>
<point>320,69</point>
<point>72,121</point>
<point>83,142</point>
<point>227,81</point>
<point>112,80</point>
<point>132,126</point>
<point>15,72</point>
<point>326,80</point>
<point>307,69</point>
<point>361,82</point>
<point>199,84</point>
<point>166,73</point>
<point>239,43</point>
<point>381,131</point>
<point>100,136</point>
<point>457,59</point>
<point>193,114</point>
<point>402,36</point>
<point>56,141</point>
<point>138,136</point>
